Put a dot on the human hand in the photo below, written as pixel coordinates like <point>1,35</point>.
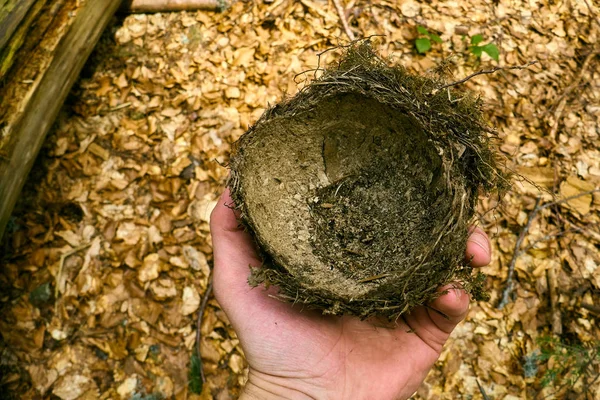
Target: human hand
<point>296,354</point>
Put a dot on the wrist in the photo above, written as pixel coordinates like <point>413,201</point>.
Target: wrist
<point>266,387</point>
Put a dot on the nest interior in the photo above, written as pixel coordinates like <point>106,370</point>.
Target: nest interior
<point>360,189</point>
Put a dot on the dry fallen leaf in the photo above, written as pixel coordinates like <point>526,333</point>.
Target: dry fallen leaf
<point>577,187</point>
<point>135,160</point>
<point>191,300</point>
<point>72,386</point>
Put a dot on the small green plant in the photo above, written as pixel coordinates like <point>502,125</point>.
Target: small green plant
<point>490,49</point>
<point>423,42</point>
<point>195,373</point>
<point>568,363</point>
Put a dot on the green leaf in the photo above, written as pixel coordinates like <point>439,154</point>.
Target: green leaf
<point>435,38</point>
<point>476,39</point>
<point>492,50</point>
<point>195,374</point>
<point>422,30</point>
<point>476,50</point>
<point>423,45</point>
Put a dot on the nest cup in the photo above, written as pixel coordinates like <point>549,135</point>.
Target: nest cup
<point>360,189</point>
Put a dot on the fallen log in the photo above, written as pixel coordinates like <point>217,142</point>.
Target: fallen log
<point>43,46</point>
<point>150,6</point>
<point>16,17</point>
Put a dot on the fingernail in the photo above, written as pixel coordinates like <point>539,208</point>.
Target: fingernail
<point>480,240</point>
<point>453,287</point>
<point>458,293</point>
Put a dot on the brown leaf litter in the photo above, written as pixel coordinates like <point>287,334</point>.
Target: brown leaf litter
<point>108,253</point>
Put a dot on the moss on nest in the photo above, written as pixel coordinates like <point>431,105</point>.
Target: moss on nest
<point>360,189</point>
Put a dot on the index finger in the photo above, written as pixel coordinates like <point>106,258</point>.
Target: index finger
<point>479,249</point>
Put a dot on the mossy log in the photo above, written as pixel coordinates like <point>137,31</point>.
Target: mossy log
<point>16,17</point>
<point>43,46</point>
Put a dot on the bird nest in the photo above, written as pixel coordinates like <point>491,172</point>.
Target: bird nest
<point>360,189</point>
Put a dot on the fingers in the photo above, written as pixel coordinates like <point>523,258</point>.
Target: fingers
<point>449,309</point>
<point>434,323</point>
<point>229,236</point>
<point>234,253</point>
<point>479,249</point>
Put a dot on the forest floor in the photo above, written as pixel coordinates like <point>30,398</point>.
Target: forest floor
<point>108,254</point>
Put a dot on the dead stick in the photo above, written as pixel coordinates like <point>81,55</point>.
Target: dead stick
<point>555,316</point>
<point>29,111</point>
<point>199,325</point>
<point>511,268</point>
<point>482,72</point>
<point>567,199</point>
<point>575,229</point>
<point>592,308</point>
<point>481,390</point>
<point>592,12</point>
<point>563,98</point>
<point>143,6</point>
<point>588,233</point>
<point>342,14</point>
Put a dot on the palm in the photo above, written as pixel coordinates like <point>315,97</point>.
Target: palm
<point>345,353</point>
<point>326,354</point>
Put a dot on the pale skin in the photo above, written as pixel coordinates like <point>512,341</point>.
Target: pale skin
<point>299,354</point>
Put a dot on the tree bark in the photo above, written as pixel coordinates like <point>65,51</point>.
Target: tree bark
<point>44,45</point>
<point>16,16</point>
<point>143,6</point>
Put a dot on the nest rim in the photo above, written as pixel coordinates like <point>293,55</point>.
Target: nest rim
<point>441,116</point>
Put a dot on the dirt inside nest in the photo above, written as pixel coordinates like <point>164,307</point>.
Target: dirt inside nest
<point>386,197</point>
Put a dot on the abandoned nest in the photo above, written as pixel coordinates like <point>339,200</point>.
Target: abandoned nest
<point>361,188</point>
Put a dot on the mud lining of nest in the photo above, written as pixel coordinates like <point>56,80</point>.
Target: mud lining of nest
<point>360,189</point>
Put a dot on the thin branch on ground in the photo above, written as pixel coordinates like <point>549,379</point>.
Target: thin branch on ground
<point>565,95</point>
<point>481,390</point>
<point>511,268</point>
<point>592,12</point>
<point>482,72</point>
<point>199,325</point>
<point>591,308</point>
<point>555,314</point>
<point>517,252</point>
<point>342,13</point>
<point>585,231</point>
<point>567,199</point>
<point>589,385</point>
<point>548,237</point>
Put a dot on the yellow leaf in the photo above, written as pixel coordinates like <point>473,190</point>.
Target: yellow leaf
<point>572,187</point>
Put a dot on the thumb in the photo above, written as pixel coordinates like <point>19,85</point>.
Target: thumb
<point>233,250</point>
<point>234,253</point>
<point>449,309</point>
